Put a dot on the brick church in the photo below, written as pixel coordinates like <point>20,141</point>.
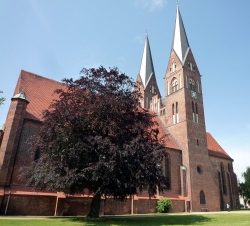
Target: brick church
<point>199,172</point>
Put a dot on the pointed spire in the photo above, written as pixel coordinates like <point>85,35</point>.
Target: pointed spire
<point>2,127</point>
<point>21,95</point>
<point>180,42</point>
<point>147,67</point>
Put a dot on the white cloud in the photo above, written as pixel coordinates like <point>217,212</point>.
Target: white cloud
<point>151,5</point>
<point>39,13</point>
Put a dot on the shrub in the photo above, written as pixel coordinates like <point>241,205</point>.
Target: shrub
<point>163,205</point>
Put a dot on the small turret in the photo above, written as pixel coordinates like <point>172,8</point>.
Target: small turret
<point>11,135</point>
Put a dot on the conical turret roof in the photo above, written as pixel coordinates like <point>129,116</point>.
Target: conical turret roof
<point>21,95</point>
<point>147,67</point>
<point>180,42</point>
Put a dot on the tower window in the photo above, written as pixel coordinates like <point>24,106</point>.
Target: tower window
<point>193,112</point>
<point>200,169</point>
<point>202,197</point>
<point>173,113</point>
<point>177,113</point>
<point>191,66</point>
<point>196,109</point>
<point>173,68</point>
<point>174,85</point>
<point>192,84</point>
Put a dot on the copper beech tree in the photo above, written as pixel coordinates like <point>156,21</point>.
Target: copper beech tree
<point>95,137</point>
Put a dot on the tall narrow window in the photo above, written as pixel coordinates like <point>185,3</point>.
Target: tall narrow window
<point>174,85</point>
<point>223,178</point>
<point>192,84</point>
<point>168,172</point>
<point>173,114</point>
<point>196,111</point>
<point>177,113</point>
<point>193,111</point>
<point>180,81</point>
<point>202,197</point>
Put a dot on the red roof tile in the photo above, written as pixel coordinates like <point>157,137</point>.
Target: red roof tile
<point>214,149</point>
<point>165,135</point>
<point>39,91</point>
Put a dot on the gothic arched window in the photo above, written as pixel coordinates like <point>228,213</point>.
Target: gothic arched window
<point>196,108</point>
<point>223,178</point>
<point>174,85</point>
<point>192,84</point>
<point>168,171</point>
<point>202,197</point>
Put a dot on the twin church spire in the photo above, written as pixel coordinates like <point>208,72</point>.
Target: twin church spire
<point>147,67</point>
<point>179,44</point>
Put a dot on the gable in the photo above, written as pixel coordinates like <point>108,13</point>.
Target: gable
<point>214,149</point>
<point>39,91</point>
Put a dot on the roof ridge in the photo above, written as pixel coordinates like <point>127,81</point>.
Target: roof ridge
<point>31,73</point>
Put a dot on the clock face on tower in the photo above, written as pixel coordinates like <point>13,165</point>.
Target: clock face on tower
<point>193,94</point>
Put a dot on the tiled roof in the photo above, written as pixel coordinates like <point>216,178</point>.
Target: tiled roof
<point>165,135</point>
<point>39,91</point>
<point>214,149</point>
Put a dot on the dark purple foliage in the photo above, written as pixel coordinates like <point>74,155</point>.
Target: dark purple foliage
<point>96,137</point>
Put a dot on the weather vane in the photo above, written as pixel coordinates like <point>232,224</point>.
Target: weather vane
<point>177,1</point>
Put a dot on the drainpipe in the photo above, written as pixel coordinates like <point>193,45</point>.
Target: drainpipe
<point>56,205</point>
<point>132,205</point>
<point>8,200</point>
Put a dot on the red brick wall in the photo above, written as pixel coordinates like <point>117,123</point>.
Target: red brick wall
<point>10,140</point>
<point>24,155</point>
<point>73,206</point>
<point>29,205</point>
<point>187,132</point>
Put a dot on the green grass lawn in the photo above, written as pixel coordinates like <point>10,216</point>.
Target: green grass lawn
<point>138,220</point>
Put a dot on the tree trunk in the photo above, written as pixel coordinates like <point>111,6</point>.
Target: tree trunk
<point>95,206</point>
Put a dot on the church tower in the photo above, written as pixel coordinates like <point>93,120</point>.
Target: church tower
<point>185,120</point>
<point>146,78</point>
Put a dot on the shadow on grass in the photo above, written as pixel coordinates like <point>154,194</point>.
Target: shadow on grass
<point>144,220</point>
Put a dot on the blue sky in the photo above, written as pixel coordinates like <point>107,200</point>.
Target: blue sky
<point>56,39</point>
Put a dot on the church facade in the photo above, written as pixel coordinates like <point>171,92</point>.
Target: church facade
<point>199,172</point>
